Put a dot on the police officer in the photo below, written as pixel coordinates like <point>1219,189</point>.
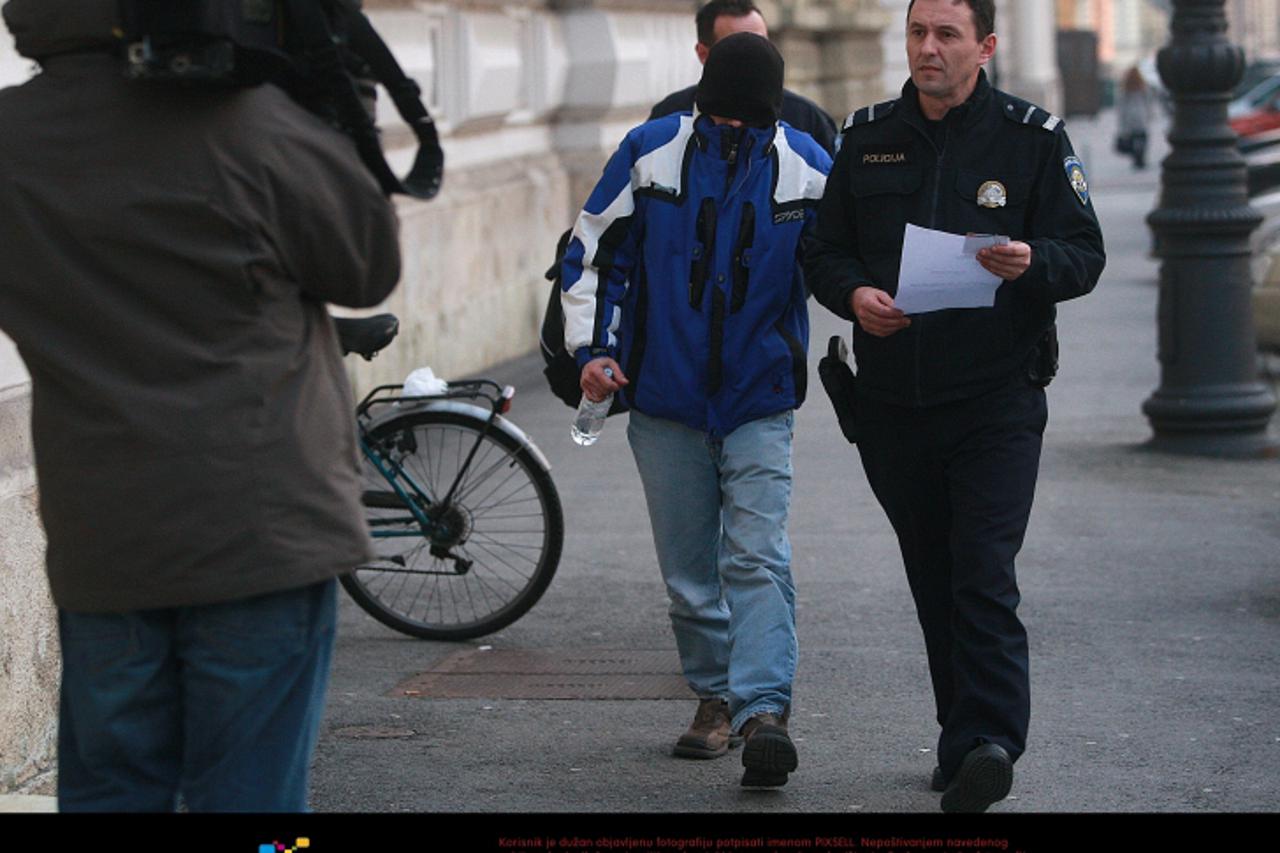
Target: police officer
<point>950,404</point>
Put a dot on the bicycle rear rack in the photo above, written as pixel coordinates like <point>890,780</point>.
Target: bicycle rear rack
<point>498,396</point>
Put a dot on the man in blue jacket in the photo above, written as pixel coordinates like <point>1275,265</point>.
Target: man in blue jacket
<point>683,291</point>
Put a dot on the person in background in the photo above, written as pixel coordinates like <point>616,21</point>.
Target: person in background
<point>720,18</point>
<point>1133,114</point>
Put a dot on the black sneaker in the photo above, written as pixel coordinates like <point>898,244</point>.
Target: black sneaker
<point>985,777</point>
<point>768,754</point>
<point>937,782</point>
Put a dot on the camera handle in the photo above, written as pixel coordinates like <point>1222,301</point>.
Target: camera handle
<point>427,173</point>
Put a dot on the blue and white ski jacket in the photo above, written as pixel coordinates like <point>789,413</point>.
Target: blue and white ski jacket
<point>684,267</point>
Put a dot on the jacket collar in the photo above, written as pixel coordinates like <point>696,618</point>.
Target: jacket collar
<point>961,116</point>
<point>715,138</point>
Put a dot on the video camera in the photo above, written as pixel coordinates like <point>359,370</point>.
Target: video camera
<point>324,53</point>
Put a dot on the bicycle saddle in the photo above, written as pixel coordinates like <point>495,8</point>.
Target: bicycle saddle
<point>366,335</point>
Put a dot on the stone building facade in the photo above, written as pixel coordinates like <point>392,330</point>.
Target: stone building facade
<point>1132,31</point>
<point>28,638</point>
<point>1255,26</point>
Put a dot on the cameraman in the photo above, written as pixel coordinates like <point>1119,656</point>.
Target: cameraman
<point>165,258</point>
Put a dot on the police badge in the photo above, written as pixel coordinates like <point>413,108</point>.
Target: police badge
<point>1075,174</point>
<point>993,194</point>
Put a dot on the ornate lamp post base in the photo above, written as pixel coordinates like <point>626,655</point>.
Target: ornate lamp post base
<point>1210,400</point>
<point>1233,424</point>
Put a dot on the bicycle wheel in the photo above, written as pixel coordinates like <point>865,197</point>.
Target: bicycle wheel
<point>504,521</point>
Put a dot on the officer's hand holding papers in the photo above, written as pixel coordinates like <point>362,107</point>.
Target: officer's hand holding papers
<point>941,270</point>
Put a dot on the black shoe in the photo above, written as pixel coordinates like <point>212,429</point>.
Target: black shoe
<point>937,782</point>
<point>767,752</point>
<point>985,777</point>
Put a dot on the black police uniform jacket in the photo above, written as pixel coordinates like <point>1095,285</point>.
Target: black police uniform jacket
<point>893,169</point>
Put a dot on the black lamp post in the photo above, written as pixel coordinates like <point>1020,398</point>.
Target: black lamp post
<point>1210,400</point>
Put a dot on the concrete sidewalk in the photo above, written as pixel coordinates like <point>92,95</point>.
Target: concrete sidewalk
<point>1151,591</point>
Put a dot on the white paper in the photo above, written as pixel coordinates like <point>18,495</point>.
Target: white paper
<point>936,273</point>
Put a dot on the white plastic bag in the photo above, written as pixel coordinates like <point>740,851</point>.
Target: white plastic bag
<point>424,383</point>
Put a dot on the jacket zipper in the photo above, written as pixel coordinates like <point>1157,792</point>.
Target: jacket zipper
<point>730,141</point>
<point>933,223</point>
<point>735,145</point>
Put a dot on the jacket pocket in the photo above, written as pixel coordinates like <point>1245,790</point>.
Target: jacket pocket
<point>704,253</point>
<point>742,257</point>
<point>888,181</point>
<point>884,197</point>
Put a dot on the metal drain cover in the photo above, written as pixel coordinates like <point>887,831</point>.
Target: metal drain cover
<point>551,674</point>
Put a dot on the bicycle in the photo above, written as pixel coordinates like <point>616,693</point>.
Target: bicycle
<point>464,515</point>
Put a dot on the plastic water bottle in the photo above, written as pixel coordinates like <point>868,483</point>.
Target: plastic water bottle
<point>587,424</point>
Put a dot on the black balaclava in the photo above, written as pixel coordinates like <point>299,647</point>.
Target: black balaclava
<point>742,79</point>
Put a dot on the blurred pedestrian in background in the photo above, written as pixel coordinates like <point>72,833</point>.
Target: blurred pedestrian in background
<point>1133,114</point>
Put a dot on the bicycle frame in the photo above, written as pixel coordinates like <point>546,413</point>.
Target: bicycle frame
<point>401,482</point>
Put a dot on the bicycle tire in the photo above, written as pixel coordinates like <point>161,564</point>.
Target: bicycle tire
<point>416,593</point>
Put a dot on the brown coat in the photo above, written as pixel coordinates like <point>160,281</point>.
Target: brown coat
<point>165,257</point>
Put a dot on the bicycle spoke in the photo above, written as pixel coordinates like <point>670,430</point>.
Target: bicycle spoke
<point>493,572</point>
<point>479,579</point>
<point>512,548</point>
<point>478,474</point>
<point>484,508</point>
<point>496,486</point>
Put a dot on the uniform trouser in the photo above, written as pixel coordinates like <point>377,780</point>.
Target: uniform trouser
<point>218,704</point>
<point>718,507</point>
<point>957,481</point>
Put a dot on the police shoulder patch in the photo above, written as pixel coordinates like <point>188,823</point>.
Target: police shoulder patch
<point>1019,111</point>
<point>1075,175</point>
<point>866,115</point>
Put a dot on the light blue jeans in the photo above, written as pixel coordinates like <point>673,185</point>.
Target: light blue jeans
<point>718,507</point>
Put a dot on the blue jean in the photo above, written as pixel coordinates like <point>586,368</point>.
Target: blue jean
<point>718,508</point>
<point>218,703</point>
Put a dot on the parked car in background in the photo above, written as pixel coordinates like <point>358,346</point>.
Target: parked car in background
<point>1257,110</point>
<point>1264,191</point>
<point>1255,116</point>
<point>1250,119</point>
<point>1255,72</point>
<point>1261,120</point>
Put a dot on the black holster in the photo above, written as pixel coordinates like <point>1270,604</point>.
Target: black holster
<point>1042,366</point>
<point>837,377</point>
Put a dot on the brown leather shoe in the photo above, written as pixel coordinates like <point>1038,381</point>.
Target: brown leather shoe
<point>767,752</point>
<point>710,734</point>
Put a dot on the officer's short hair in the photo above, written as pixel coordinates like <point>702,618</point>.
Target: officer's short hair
<point>984,15</point>
<point>706,17</point>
